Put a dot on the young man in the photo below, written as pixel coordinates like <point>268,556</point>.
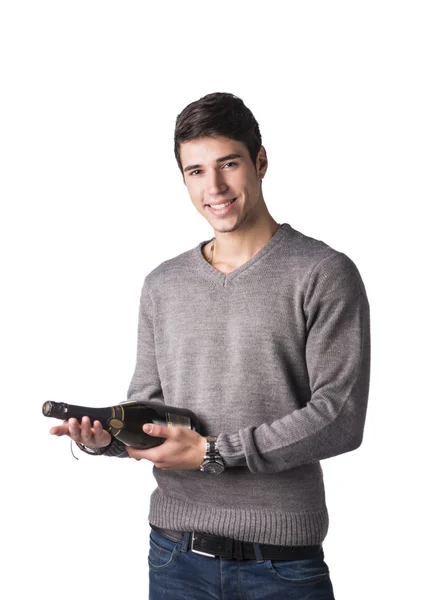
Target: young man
<point>264,333</point>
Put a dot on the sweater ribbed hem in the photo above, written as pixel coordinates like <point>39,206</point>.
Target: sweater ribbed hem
<point>261,526</point>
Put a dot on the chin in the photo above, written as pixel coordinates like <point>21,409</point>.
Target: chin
<point>226,227</point>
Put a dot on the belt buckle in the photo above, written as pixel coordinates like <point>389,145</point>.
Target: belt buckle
<point>199,551</point>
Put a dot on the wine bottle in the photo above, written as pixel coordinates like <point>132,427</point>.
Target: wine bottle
<point>125,421</point>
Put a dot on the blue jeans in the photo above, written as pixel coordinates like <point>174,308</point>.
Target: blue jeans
<point>176,573</point>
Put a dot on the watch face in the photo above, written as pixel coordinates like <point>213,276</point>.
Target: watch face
<point>213,467</point>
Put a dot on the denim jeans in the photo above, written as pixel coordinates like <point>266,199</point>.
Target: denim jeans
<point>176,573</point>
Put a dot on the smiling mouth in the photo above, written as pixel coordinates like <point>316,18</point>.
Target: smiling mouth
<point>221,206</point>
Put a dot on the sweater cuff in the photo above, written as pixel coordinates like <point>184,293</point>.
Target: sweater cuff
<point>117,449</point>
<point>231,450</point>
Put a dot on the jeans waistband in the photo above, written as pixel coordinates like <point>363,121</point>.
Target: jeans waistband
<point>218,546</point>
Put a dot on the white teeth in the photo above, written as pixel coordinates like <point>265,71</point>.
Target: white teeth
<point>221,206</point>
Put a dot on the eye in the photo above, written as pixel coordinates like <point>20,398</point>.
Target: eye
<point>196,171</point>
<point>230,163</point>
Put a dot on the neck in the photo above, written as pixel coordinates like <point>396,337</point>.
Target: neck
<point>237,246</point>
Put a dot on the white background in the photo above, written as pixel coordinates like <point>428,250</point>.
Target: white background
<point>92,200</point>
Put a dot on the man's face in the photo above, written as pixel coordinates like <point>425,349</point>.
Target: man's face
<point>217,170</point>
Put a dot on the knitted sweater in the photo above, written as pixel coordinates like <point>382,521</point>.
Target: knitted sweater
<point>274,359</point>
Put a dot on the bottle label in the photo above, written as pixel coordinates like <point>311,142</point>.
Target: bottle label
<point>116,423</point>
<point>174,420</point>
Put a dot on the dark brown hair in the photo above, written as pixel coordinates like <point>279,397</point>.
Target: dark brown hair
<point>217,114</point>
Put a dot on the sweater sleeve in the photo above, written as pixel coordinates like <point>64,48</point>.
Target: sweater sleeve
<point>145,383</point>
<point>337,357</point>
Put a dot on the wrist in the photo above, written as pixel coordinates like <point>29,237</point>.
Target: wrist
<point>95,451</point>
<point>212,460</point>
<point>201,451</point>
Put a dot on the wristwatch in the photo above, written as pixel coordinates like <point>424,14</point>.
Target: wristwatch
<point>212,462</point>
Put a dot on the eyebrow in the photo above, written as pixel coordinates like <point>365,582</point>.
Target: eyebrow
<point>218,160</point>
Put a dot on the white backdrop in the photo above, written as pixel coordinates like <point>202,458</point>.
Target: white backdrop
<point>92,200</point>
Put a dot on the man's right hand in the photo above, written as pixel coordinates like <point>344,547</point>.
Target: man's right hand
<point>91,436</point>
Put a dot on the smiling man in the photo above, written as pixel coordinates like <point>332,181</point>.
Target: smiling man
<point>226,188</point>
<point>263,332</point>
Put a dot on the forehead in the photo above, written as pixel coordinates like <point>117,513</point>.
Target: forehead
<point>207,149</point>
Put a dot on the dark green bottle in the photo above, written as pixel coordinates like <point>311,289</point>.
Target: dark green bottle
<point>125,421</point>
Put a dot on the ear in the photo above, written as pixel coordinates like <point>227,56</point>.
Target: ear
<point>261,162</point>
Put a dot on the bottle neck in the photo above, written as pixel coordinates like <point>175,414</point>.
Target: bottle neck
<point>61,410</point>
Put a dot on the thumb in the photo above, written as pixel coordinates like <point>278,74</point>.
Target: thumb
<point>156,430</point>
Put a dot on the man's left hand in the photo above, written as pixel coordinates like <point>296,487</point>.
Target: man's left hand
<point>183,449</point>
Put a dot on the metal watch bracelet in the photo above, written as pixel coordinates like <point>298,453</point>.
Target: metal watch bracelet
<point>212,461</point>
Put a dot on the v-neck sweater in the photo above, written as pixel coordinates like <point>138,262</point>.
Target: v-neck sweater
<point>274,359</point>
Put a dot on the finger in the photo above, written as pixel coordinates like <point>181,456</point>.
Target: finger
<point>134,452</point>
<point>97,427</point>
<point>138,453</point>
<point>130,451</point>
<point>74,430</point>
<point>100,435</point>
<point>86,431</point>
<point>60,430</point>
<point>98,431</point>
<point>157,430</point>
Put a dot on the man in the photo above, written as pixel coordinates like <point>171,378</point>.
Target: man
<point>264,333</point>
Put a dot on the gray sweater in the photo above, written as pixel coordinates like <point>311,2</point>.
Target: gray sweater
<point>274,359</point>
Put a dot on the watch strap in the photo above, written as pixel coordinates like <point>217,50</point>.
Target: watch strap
<point>211,446</point>
<point>212,455</point>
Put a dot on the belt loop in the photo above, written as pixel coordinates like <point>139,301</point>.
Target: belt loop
<point>185,541</point>
<point>258,553</point>
<point>229,548</point>
<point>238,554</point>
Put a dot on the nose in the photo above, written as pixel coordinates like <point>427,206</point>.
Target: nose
<point>215,183</point>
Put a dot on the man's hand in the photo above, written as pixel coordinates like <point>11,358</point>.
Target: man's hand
<point>183,449</point>
<point>91,437</point>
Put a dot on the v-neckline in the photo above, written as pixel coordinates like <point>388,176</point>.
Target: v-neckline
<point>224,278</point>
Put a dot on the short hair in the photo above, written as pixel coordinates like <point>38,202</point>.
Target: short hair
<point>217,114</point>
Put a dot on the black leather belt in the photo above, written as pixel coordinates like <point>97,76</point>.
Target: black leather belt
<point>214,545</point>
